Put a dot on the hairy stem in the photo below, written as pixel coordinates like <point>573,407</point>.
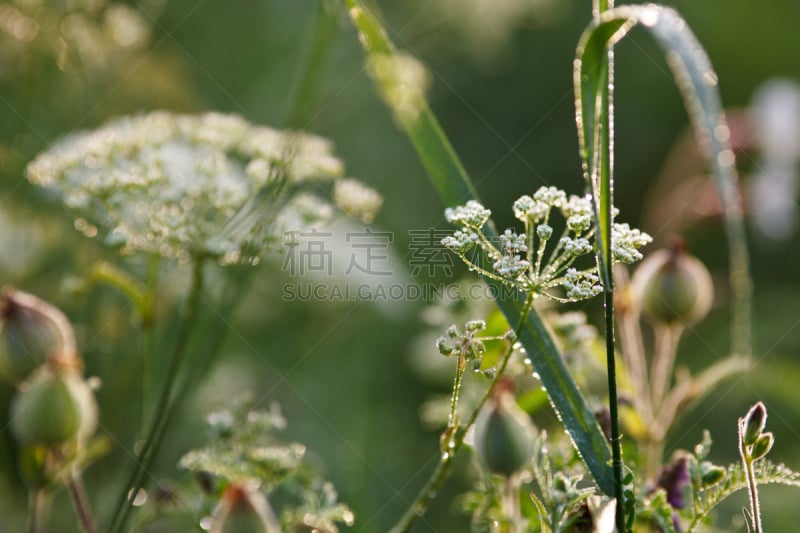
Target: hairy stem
<point>752,487</point>
<point>428,492</point>
<point>146,454</point>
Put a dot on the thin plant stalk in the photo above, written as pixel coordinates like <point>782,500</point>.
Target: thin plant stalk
<point>80,502</point>
<point>37,509</point>
<point>752,487</point>
<point>603,153</point>
<point>667,338</point>
<point>146,454</point>
<point>431,488</point>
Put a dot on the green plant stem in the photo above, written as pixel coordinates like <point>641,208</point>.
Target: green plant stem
<point>431,488</point>
<point>604,177</point>
<point>306,91</point>
<point>80,502</point>
<point>667,338</point>
<point>146,454</point>
<point>452,420</point>
<point>36,509</point>
<point>752,486</point>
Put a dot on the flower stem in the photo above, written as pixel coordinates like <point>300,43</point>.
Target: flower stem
<point>36,509</point>
<point>752,487</point>
<point>431,488</point>
<point>146,454</point>
<point>667,337</point>
<point>80,502</point>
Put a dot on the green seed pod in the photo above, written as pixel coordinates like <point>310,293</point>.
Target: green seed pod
<point>762,446</point>
<point>753,424</point>
<point>673,287</point>
<point>32,331</point>
<point>504,435</point>
<point>53,406</point>
<point>243,509</point>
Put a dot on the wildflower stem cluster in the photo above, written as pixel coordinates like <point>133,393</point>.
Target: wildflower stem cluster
<point>454,436</point>
<point>535,261</point>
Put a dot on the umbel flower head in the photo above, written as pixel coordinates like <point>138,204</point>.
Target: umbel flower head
<point>182,185</point>
<point>534,261</point>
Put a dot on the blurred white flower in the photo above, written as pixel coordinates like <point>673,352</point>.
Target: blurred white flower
<point>181,185</point>
<point>774,187</point>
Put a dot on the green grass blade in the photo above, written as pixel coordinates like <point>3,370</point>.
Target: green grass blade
<point>454,186</point>
<point>697,83</point>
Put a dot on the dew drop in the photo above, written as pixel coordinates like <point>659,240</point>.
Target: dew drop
<point>650,17</point>
<point>140,499</point>
<point>205,523</point>
<point>722,133</point>
<point>726,158</point>
<point>710,78</point>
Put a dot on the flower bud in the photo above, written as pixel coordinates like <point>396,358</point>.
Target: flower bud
<point>673,286</point>
<point>711,474</point>
<point>52,406</point>
<point>753,424</point>
<point>243,509</point>
<point>504,435</point>
<point>32,331</point>
<point>762,446</point>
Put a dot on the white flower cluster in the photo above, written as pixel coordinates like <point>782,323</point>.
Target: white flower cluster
<point>357,200</point>
<point>184,185</point>
<point>519,259</point>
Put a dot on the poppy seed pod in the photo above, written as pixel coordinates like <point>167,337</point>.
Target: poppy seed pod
<point>673,286</point>
<point>54,405</point>
<point>32,332</point>
<point>504,435</point>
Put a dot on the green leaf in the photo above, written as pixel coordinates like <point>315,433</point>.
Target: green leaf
<point>735,480</point>
<point>697,83</point>
<point>454,187</point>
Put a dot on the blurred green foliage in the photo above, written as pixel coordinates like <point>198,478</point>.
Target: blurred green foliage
<point>341,371</point>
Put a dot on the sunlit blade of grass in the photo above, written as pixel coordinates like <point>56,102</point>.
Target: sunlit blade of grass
<point>454,187</point>
<point>697,82</point>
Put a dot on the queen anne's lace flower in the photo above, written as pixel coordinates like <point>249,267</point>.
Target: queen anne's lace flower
<point>521,259</point>
<point>181,185</point>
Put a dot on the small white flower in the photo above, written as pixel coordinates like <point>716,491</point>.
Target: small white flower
<point>581,285</point>
<point>513,243</point>
<point>460,241</point>
<point>471,215</point>
<point>511,266</point>
<point>544,231</point>
<point>576,247</point>
<point>526,208</point>
<point>625,243</point>
<point>577,206</point>
<point>551,196</point>
<point>579,223</point>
